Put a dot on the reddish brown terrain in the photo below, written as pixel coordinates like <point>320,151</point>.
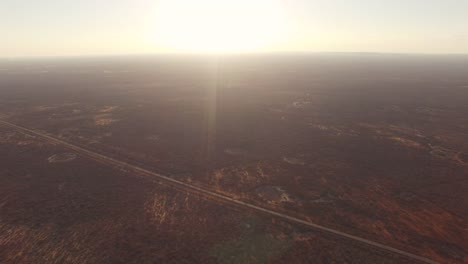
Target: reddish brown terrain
<point>373,146</point>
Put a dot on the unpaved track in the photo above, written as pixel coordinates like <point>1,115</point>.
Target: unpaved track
<point>195,189</point>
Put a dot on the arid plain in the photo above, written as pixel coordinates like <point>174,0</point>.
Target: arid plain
<point>374,146</point>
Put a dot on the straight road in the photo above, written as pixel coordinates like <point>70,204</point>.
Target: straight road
<point>213,195</point>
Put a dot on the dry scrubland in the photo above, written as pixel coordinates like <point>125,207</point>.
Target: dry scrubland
<point>374,146</point>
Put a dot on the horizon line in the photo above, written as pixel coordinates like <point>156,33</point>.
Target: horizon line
<point>209,54</point>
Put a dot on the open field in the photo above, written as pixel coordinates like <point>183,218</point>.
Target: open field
<point>83,211</point>
<point>371,146</point>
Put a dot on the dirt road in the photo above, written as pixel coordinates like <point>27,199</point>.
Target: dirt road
<point>156,177</point>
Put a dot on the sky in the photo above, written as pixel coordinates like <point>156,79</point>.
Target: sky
<point>104,27</point>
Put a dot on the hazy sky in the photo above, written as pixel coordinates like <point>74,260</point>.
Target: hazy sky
<point>71,27</point>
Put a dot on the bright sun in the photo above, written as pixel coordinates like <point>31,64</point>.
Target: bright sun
<point>219,25</point>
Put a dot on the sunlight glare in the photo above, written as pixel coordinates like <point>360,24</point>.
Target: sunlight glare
<point>219,25</point>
